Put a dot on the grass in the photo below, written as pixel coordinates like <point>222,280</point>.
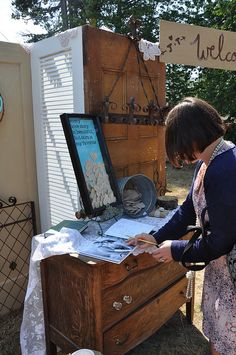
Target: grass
<point>179,180</point>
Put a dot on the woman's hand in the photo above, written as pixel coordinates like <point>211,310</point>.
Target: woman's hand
<point>142,245</point>
<point>163,253</point>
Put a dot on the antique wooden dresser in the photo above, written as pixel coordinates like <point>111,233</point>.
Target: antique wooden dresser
<point>107,307</point>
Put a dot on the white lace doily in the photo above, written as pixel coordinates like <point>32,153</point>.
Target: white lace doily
<point>150,50</point>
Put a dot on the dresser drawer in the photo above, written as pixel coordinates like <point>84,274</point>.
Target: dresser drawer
<point>131,331</point>
<point>121,299</point>
<point>112,274</point>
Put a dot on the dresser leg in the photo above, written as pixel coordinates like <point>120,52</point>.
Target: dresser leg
<point>189,311</point>
<point>51,348</point>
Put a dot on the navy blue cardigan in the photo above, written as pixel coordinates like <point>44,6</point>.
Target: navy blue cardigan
<point>220,192</point>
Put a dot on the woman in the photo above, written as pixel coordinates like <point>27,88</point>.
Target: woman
<point>194,132</point>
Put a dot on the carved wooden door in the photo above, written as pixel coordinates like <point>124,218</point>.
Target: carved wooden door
<point>121,87</point>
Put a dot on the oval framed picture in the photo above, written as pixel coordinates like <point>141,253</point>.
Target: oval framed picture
<point>1,107</point>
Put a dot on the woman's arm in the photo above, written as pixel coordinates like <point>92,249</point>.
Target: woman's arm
<point>176,227</point>
<point>220,192</point>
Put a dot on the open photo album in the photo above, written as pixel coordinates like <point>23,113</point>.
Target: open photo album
<point>112,245</point>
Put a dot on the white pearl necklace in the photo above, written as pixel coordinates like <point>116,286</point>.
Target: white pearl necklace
<point>216,150</point>
<point>189,291</point>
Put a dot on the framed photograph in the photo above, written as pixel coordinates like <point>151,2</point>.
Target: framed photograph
<point>91,162</point>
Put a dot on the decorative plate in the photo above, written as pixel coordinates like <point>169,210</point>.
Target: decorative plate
<point>1,107</point>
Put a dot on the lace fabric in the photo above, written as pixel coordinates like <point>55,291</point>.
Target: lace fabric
<point>32,334</point>
<point>150,50</point>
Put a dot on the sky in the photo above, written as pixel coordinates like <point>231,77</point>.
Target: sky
<point>10,29</point>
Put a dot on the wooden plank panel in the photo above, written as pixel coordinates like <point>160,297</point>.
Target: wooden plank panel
<point>147,131</point>
<point>109,81</point>
<point>75,288</point>
<point>115,131</point>
<point>107,57</point>
<point>134,329</point>
<point>133,151</point>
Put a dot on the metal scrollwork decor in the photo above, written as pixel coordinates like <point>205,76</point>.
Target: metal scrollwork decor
<point>11,202</point>
<point>1,107</point>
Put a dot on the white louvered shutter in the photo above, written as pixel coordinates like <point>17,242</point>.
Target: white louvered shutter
<point>56,89</point>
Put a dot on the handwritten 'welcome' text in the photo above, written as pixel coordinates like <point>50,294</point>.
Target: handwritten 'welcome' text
<point>212,51</point>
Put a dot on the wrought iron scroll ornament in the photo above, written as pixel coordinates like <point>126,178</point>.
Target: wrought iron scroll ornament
<point>106,105</point>
<point>10,202</point>
<point>131,108</point>
<point>133,111</point>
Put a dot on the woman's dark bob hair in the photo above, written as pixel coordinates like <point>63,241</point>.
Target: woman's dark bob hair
<point>191,126</point>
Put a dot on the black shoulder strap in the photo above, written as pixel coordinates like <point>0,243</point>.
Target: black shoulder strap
<point>196,235</point>
<point>198,231</point>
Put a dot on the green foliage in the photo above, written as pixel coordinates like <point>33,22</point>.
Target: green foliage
<point>231,131</point>
<point>180,82</point>
<point>53,17</point>
<point>218,87</point>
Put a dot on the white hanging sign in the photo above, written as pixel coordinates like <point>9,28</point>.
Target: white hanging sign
<point>197,46</point>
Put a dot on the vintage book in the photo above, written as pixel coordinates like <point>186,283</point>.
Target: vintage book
<point>80,226</point>
<point>72,224</point>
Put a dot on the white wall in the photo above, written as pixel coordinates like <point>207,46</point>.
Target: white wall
<point>18,172</point>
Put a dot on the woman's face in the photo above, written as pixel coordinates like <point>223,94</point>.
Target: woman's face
<point>207,152</point>
<point>197,157</point>
<point>188,162</point>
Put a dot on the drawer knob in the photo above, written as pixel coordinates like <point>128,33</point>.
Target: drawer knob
<point>122,341</point>
<point>128,299</point>
<point>130,267</point>
<point>117,305</point>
